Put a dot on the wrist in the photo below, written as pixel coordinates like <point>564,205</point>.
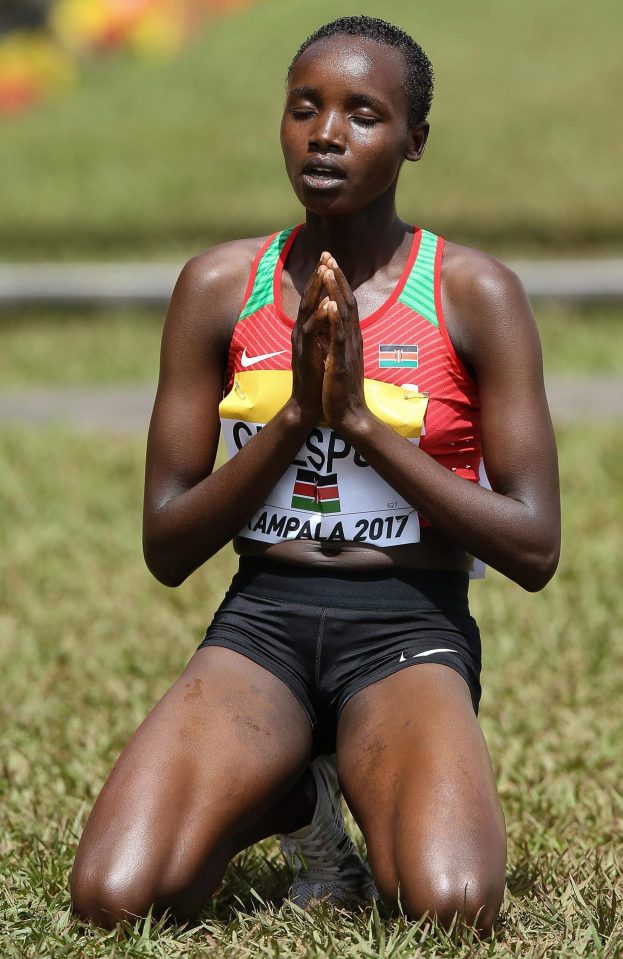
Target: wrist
<point>297,418</point>
<point>357,426</point>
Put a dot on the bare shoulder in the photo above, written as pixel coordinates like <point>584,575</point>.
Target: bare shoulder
<point>469,275</point>
<point>208,295</point>
<point>221,272</point>
<point>483,300</point>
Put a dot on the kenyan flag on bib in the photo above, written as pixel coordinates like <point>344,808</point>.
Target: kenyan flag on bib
<point>318,494</point>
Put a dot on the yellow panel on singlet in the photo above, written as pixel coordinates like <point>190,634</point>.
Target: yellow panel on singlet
<point>257,395</point>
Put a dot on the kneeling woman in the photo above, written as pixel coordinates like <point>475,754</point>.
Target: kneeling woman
<point>368,378</point>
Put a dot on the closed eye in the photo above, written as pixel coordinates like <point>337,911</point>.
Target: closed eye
<point>364,121</point>
<point>302,114</point>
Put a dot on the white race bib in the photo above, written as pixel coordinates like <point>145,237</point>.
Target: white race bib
<point>328,493</point>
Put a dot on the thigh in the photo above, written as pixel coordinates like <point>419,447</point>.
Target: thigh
<point>225,742</point>
<point>416,773</point>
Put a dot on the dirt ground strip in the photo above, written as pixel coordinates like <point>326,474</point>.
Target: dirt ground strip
<point>151,283</point>
<point>126,409</point>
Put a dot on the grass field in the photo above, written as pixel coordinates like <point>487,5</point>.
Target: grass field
<point>152,158</point>
<point>59,348</point>
<point>88,642</point>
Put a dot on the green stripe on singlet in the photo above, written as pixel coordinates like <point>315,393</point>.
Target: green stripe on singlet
<point>419,290</point>
<point>262,292</point>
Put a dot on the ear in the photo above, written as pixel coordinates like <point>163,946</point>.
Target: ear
<point>418,135</point>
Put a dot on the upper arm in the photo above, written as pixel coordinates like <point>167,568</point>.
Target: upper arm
<point>490,319</point>
<point>184,430</point>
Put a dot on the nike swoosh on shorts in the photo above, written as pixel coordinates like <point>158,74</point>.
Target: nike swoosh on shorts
<point>250,360</point>
<point>427,652</point>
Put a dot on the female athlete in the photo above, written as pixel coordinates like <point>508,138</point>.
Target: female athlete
<point>381,395</point>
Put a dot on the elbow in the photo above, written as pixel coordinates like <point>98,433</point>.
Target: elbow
<point>539,570</point>
<point>164,574</point>
<point>161,556</point>
<point>166,577</point>
<point>160,564</point>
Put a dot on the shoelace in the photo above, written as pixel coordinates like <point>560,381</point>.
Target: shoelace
<point>325,851</point>
<point>325,859</point>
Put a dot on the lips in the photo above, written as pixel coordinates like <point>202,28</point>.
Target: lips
<point>322,175</point>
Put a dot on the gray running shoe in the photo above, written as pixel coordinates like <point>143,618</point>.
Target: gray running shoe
<point>325,862</point>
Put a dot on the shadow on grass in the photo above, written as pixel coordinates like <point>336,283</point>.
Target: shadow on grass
<point>251,880</point>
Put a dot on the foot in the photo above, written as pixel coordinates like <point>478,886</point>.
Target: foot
<point>325,862</point>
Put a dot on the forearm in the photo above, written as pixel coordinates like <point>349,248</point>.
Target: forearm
<point>192,525</point>
<point>505,532</point>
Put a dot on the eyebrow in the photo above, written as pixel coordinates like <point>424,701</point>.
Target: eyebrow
<point>366,100</point>
<point>308,92</point>
<point>359,99</point>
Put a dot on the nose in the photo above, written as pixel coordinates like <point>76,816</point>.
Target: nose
<point>327,134</point>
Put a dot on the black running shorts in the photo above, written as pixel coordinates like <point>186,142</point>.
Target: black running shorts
<point>326,636</point>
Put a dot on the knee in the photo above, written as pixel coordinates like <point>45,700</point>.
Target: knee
<point>108,896</point>
<point>460,897</point>
<point>461,892</point>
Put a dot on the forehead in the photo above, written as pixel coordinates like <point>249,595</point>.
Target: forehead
<point>362,65</point>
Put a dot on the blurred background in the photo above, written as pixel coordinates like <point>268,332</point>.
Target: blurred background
<point>149,127</point>
<point>139,132</point>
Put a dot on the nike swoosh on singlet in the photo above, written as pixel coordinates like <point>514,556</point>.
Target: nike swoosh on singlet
<point>427,652</point>
<point>250,360</point>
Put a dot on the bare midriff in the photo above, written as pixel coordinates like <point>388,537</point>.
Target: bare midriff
<point>433,551</point>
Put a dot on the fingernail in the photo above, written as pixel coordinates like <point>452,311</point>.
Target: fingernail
<point>333,262</point>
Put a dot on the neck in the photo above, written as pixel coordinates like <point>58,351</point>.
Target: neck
<point>361,243</point>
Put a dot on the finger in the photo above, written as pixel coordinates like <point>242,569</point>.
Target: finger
<point>335,355</point>
<point>343,284</point>
<point>333,289</point>
<point>337,326</point>
<point>319,316</point>
<point>312,292</point>
<point>313,288</point>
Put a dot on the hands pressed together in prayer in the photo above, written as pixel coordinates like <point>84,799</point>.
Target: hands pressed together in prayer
<point>327,350</point>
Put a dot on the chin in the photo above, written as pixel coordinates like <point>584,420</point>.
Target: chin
<point>334,206</point>
<point>317,203</point>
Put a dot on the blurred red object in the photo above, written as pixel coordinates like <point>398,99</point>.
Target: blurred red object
<point>35,63</point>
<point>31,66</point>
<point>17,94</point>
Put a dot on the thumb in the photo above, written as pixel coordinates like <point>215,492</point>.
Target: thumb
<point>318,317</point>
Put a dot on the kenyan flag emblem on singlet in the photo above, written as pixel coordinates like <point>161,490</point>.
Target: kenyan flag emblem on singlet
<point>398,355</point>
<point>318,494</point>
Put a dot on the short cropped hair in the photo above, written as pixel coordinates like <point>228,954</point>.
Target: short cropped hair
<point>419,71</point>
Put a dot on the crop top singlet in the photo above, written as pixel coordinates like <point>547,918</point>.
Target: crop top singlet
<point>413,381</point>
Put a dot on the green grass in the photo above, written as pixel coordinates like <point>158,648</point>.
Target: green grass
<point>53,347</point>
<point>575,339</point>
<point>169,158</point>
<point>88,642</point>
<point>77,348</point>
